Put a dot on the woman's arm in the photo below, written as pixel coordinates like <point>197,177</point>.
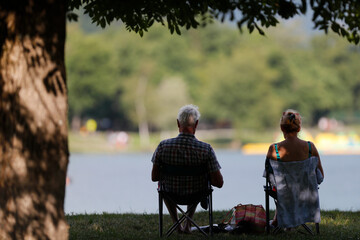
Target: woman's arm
<point>314,152</point>
<point>271,152</point>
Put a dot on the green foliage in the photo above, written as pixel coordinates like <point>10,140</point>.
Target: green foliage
<point>238,80</point>
<point>342,17</point>
<point>93,71</point>
<point>168,97</point>
<point>240,86</point>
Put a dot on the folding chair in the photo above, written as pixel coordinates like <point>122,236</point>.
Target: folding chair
<point>192,200</point>
<point>270,191</point>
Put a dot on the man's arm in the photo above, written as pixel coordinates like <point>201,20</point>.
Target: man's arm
<point>155,173</point>
<point>216,179</point>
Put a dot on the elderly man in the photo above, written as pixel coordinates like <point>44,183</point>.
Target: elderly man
<point>185,149</point>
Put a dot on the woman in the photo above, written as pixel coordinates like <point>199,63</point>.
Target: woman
<point>292,148</point>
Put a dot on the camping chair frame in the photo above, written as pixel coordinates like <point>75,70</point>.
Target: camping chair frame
<point>175,170</point>
<point>269,192</point>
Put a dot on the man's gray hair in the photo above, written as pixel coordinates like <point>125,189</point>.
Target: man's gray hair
<point>188,115</point>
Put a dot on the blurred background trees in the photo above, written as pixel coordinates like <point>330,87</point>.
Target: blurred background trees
<point>238,81</point>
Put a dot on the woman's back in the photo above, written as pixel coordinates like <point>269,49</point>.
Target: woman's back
<point>291,150</point>
<point>292,153</point>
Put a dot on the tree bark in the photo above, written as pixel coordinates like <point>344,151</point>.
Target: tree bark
<point>33,120</point>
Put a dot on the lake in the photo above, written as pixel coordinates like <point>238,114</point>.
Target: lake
<point>121,183</point>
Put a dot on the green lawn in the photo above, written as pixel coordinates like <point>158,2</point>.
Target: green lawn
<point>334,225</point>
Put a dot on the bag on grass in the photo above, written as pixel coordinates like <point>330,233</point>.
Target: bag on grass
<point>246,218</point>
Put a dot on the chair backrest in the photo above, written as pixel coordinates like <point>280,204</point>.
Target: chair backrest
<point>182,170</point>
<point>297,192</point>
<point>185,171</point>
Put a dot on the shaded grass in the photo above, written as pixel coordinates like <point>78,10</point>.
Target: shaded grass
<point>334,225</point>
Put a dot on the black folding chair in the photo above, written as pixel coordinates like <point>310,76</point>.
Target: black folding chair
<point>270,191</point>
<point>205,197</point>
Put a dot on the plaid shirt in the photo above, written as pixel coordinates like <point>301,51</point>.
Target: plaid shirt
<point>186,150</point>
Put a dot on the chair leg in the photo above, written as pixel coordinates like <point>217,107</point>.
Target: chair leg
<point>160,215</point>
<point>180,220</point>
<point>192,221</point>
<point>317,226</point>
<point>277,230</point>
<point>267,205</point>
<point>308,229</point>
<point>176,224</point>
<point>210,215</point>
<point>183,217</point>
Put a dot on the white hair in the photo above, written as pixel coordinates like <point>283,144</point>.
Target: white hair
<point>188,115</point>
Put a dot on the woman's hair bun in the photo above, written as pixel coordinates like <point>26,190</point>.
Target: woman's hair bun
<point>290,121</point>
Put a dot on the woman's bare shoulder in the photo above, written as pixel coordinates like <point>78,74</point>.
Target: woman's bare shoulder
<point>271,152</point>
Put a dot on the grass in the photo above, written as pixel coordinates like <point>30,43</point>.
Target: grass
<point>334,225</point>
<point>98,142</point>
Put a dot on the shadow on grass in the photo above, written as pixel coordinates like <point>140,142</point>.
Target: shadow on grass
<point>334,225</point>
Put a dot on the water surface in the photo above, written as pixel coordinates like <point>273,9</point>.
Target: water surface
<point>121,183</point>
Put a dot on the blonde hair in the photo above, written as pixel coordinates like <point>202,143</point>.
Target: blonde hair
<point>290,121</point>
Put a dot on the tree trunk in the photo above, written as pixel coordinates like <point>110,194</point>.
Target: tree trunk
<point>33,124</point>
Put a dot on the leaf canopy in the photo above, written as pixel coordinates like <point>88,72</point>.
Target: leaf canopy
<point>341,17</point>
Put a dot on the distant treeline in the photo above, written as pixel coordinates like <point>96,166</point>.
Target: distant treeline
<point>238,80</point>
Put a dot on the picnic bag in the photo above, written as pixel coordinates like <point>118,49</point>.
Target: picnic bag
<point>249,216</point>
